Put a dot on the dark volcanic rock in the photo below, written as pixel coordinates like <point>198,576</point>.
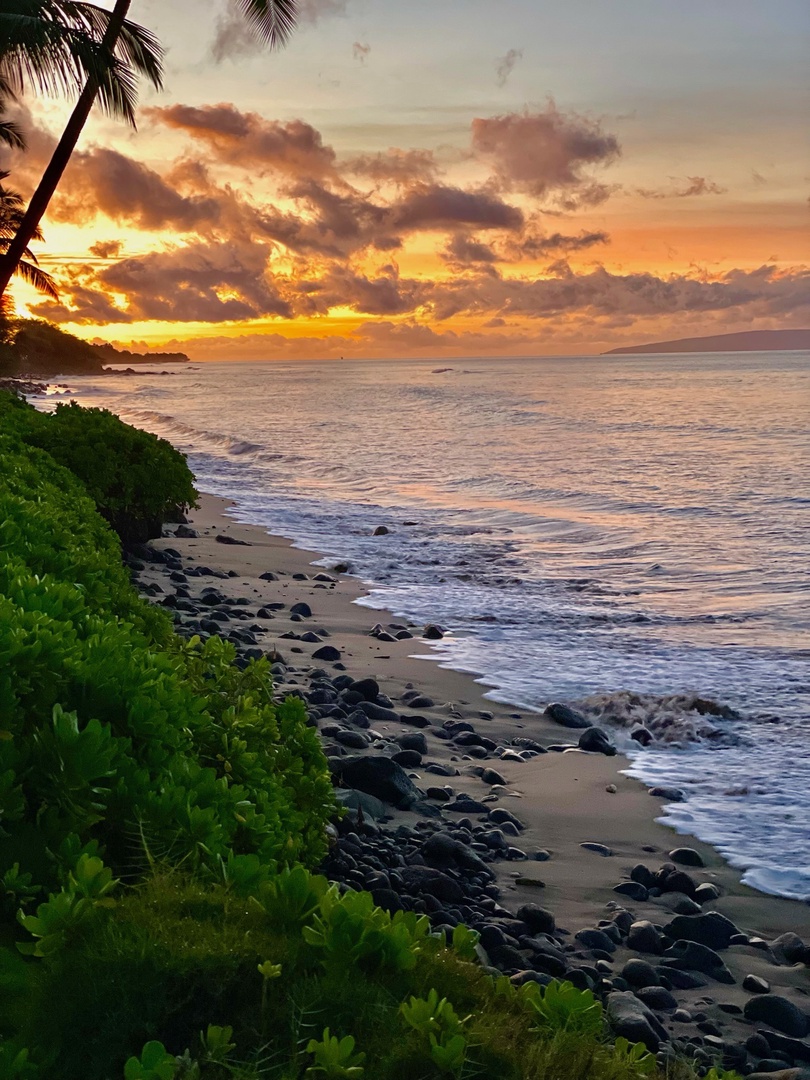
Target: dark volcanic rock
<point>631,889</point>
<point>326,652</point>
<point>644,938</point>
<point>368,689</point>
<point>303,609</point>
<point>686,856</point>
<point>382,778</point>
<point>777,1012</point>
<point>596,939</point>
<point>563,715</point>
<point>538,920</point>
<point>413,740</point>
<point>712,929</point>
<point>755,985</point>
<point>639,973</point>
<point>595,741</point>
<point>631,1019</point>
<point>690,956</point>
<point>426,879</point>
<point>222,538</point>
<point>657,998</point>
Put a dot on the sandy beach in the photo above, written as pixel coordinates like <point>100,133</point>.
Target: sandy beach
<point>564,799</point>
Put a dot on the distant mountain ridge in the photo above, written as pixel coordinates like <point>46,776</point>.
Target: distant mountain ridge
<point>747,341</point>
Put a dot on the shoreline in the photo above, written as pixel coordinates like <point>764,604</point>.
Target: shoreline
<point>394,665</point>
<point>564,799</point>
<point>581,826</point>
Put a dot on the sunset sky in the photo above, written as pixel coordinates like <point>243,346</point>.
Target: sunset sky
<point>444,177</point>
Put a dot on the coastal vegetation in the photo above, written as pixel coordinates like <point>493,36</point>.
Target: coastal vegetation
<point>34,348</point>
<point>163,817</point>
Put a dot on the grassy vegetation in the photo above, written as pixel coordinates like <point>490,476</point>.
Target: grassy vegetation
<point>157,813</point>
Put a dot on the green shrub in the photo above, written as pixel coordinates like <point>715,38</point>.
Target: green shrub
<point>136,480</point>
<point>118,733</point>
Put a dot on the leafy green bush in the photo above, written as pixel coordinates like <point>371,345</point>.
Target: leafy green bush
<point>136,480</point>
<point>118,734</point>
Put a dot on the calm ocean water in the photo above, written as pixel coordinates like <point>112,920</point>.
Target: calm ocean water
<point>615,531</point>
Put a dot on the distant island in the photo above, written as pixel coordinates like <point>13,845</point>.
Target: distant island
<point>747,341</point>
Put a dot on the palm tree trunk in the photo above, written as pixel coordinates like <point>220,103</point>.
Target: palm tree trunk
<point>61,155</point>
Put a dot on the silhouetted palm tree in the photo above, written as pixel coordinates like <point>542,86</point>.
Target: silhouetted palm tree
<point>110,52</point>
<point>11,215</point>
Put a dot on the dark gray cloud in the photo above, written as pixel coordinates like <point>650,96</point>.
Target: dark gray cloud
<point>546,153</point>
<point>683,189</point>
<point>438,206</point>
<point>248,140</point>
<point>506,65</point>
<point>394,166</point>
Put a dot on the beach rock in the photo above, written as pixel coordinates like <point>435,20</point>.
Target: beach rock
<point>712,929</point>
<point>706,892</point>
<point>676,881</point>
<point>268,575</point>
<point>795,1049</point>
<point>378,713</point>
<point>596,939</point>
<point>690,956</point>
<point>642,736</point>
<point>426,879</point>
<point>432,632</point>
<point>367,689</point>
<point>447,851</point>
<point>538,920</point>
<point>686,856</point>
<point>565,716</point>
<point>408,759</point>
<point>683,980</point>
<point>632,889</point>
<point>327,652</point>
<point>638,973</point>
<point>413,740</point>
<point>439,794</point>
<point>501,817</point>
<point>303,609</point>
<point>415,700</point>
<point>491,777</point>
<point>671,794</point>
<point>360,800</point>
<point>791,949</point>
<point>598,849</point>
<point>382,778</point>
<point>631,1019</point>
<point>595,741</point>
<point>755,985</point>
<point>223,538</point>
<point>381,530</point>
<point>777,1012</point>
<point>464,804</point>
<point>643,875</point>
<point>657,998</point>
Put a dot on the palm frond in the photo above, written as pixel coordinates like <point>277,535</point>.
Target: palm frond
<point>274,20</point>
<point>39,278</point>
<point>57,47</point>
<point>12,135</point>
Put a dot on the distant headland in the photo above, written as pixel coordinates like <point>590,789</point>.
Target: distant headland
<point>32,348</point>
<point>747,341</point>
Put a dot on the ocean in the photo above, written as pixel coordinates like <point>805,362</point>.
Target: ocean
<point>621,533</point>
